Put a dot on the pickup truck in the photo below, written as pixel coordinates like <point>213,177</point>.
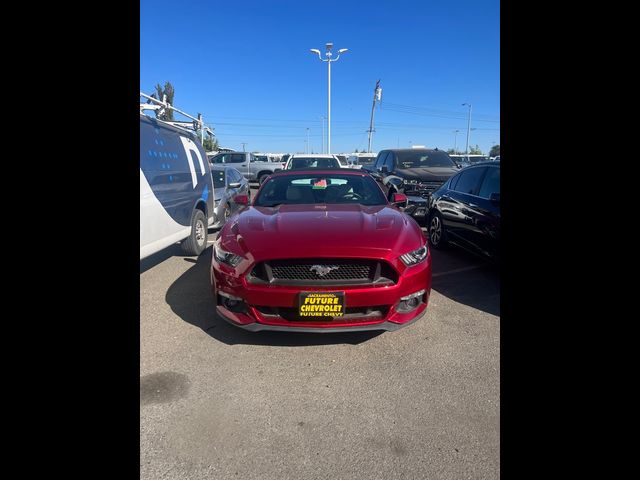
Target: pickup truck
<point>251,167</point>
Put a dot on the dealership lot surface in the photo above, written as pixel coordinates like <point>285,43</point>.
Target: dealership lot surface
<point>219,402</point>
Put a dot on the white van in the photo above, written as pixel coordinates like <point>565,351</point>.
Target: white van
<point>176,189</point>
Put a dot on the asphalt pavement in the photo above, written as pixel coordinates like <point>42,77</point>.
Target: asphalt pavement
<point>217,402</point>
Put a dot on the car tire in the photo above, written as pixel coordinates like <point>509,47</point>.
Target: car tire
<point>262,178</point>
<point>437,233</point>
<point>196,242</point>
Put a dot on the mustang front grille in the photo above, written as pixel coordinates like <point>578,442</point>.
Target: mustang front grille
<point>323,271</point>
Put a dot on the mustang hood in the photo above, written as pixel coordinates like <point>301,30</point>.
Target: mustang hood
<point>298,231</point>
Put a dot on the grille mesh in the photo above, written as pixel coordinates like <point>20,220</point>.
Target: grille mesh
<point>340,270</point>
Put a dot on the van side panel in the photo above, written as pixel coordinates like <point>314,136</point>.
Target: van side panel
<point>174,178</point>
<point>157,229</point>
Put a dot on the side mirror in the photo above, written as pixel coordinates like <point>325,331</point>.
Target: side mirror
<point>384,169</point>
<point>241,199</point>
<point>399,199</point>
<point>494,198</point>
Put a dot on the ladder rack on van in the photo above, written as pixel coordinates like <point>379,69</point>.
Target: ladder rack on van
<point>163,105</point>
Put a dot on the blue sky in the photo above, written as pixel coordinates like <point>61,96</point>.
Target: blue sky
<point>246,67</point>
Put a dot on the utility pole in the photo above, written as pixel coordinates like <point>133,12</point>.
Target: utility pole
<point>468,127</point>
<point>455,141</point>
<point>377,94</point>
<point>243,144</point>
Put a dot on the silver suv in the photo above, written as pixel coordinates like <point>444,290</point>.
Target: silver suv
<point>250,166</point>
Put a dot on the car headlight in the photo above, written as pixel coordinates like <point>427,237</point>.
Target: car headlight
<point>415,257</point>
<point>225,257</point>
<point>410,182</point>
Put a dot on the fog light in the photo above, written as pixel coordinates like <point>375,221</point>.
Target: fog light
<point>409,302</point>
<point>235,304</point>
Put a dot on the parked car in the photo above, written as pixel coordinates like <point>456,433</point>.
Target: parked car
<point>247,164</point>
<point>176,191</point>
<point>460,160</point>
<point>359,160</point>
<point>318,160</point>
<point>227,182</point>
<point>466,211</point>
<point>321,251</point>
<point>416,172</point>
<point>342,159</point>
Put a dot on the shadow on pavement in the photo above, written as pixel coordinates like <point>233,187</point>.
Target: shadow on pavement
<point>159,257</point>
<point>191,299</point>
<point>466,278</point>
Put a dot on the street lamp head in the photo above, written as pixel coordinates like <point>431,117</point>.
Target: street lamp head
<point>342,50</point>
<point>314,50</point>
<point>329,45</point>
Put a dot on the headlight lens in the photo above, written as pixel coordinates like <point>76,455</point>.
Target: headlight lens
<point>415,257</point>
<point>225,257</point>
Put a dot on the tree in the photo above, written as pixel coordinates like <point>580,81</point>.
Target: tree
<point>495,151</point>
<point>475,150</point>
<point>210,144</point>
<point>169,92</point>
<point>451,151</point>
<point>356,150</point>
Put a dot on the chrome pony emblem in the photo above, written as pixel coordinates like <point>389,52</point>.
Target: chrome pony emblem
<point>322,270</point>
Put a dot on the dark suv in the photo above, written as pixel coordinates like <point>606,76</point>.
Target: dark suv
<point>416,172</point>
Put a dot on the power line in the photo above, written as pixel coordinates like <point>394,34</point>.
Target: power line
<point>411,112</point>
<point>438,111</point>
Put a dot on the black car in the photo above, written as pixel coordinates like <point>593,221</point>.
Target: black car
<point>416,172</point>
<point>466,211</point>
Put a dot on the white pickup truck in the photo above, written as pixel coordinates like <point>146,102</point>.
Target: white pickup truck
<point>250,166</point>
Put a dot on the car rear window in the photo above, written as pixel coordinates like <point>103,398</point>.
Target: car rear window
<point>423,159</point>
<point>313,162</point>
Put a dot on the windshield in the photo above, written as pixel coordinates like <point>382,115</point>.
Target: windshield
<point>423,159</point>
<point>218,178</point>
<point>313,162</point>
<point>327,189</point>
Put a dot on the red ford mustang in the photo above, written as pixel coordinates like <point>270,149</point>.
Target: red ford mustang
<point>321,251</point>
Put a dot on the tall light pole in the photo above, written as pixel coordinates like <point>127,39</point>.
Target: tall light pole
<point>468,126</point>
<point>455,141</point>
<point>329,60</point>
<point>322,118</point>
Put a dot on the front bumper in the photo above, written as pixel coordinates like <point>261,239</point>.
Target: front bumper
<point>258,327</point>
<point>260,307</point>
